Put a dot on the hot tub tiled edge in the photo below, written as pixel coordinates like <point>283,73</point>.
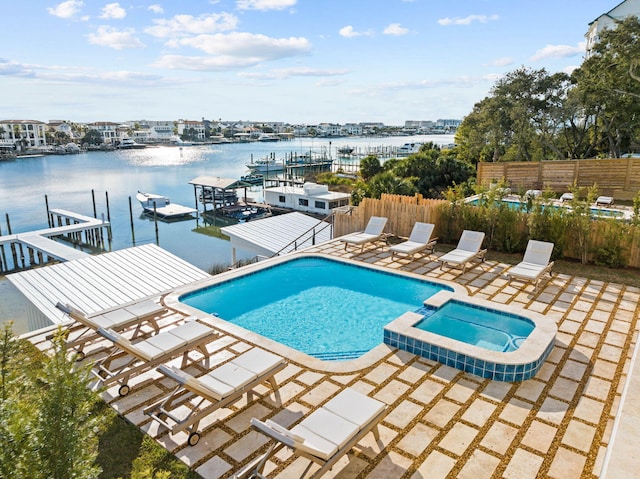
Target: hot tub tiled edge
<point>514,366</point>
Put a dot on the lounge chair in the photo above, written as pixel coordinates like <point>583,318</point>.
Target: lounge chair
<point>132,358</point>
<point>419,240</point>
<point>533,193</point>
<point>566,197</point>
<point>218,388</point>
<point>534,264</point>
<point>118,319</point>
<point>373,232</point>
<point>467,250</point>
<point>325,435</point>
<point>604,201</point>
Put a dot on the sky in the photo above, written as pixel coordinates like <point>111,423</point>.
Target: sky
<point>293,61</point>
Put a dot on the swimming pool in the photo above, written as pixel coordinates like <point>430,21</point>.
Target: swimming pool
<point>516,204</point>
<point>326,308</point>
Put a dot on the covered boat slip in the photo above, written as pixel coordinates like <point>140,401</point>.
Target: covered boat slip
<point>100,283</point>
<point>278,234</point>
<point>219,192</point>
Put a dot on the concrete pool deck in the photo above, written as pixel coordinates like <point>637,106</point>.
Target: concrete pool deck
<point>442,422</point>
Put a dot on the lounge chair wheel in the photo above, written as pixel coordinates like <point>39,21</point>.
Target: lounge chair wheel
<point>193,439</point>
<point>123,390</point>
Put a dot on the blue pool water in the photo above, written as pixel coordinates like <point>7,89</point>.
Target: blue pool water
<point>489,329</point>
<point>322,307</point>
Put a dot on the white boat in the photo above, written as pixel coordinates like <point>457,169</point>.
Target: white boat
<point>129,144</point>
<point>267,138</point>
<point>409,149</point>
<point>266,164</point>
<point>162,207</point>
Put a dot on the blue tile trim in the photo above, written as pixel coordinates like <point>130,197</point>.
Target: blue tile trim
<point>476,366</point>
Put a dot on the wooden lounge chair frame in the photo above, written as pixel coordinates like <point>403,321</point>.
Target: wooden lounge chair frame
<point>288,438</point>
<point>372,233</point>
<point>135,314</point>
<point>132,358</point>
<point>535,264</point>
<point>464,253</point>
<point>189,387</point>
<point>416,243</point>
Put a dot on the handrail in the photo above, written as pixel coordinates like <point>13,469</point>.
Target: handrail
<point>312,229</point>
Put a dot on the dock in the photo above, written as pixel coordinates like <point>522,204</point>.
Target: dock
<point>41,249</point>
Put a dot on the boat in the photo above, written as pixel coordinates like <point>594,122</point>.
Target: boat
<point>162,207</point>
<point>265,164</point>
<point>409,149</point>
<point>253,178</point>
<point>267,137</point>
<point>346,150</point>
<point>129,144</point>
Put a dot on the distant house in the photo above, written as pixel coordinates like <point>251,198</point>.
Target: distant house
<point>108,130</point>
<point>23,133</point>
<point>609,19</point>
<point>310,198</point>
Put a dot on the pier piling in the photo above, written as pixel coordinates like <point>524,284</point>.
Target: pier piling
<point>133,233</point>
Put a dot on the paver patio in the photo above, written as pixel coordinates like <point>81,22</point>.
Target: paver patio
<point>442,422</point>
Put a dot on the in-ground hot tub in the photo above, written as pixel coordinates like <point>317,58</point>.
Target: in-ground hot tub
<point>488,340</point>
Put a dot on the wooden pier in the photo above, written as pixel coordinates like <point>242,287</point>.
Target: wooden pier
<point>35,248</point>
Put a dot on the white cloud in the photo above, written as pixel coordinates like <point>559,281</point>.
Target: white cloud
<point>501,62</point>
<point>349,32</point>
<point>66,9</point>
<point>467,20</point>
<point>264,4</point>
<point>117,39</point>
<point>238,44</point>
<point>113,10</point>
<point>65,74</point>
<point>155,8</point>
<point>559,51</point>
<point>217,63</point>
<point>282,73</point>
<point>395,29</point>
<point>186,24</point>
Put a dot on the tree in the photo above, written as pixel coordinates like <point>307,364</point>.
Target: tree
<point>46,414</point>
<point>369,167</point>
<point>520,120</point>
<point>387,182</point>
<point>609,89</point>
<point>92,137</point>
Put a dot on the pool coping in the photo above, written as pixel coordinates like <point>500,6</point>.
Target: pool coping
<point>404,321</point>
<point>366,360</point>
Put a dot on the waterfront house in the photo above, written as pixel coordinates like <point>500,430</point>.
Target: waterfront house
<point>23,133</point>
<point>310,198</point>
<point>610,19</point>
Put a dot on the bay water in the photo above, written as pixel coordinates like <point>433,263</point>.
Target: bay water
<point>71,182</point>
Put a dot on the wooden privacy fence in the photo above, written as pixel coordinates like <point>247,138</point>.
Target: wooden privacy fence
<point>401,213</point>
<point>617,177</point>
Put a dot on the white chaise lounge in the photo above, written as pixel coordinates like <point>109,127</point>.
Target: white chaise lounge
<point>325,435</point>
<point>119,319</point>
<point>604,201</point>
<point>468,249</point>
<point>419,240</point>
<point>216,389</point>
<point>535,264</point>
<point>373,232</point>
<point>128,358</point>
